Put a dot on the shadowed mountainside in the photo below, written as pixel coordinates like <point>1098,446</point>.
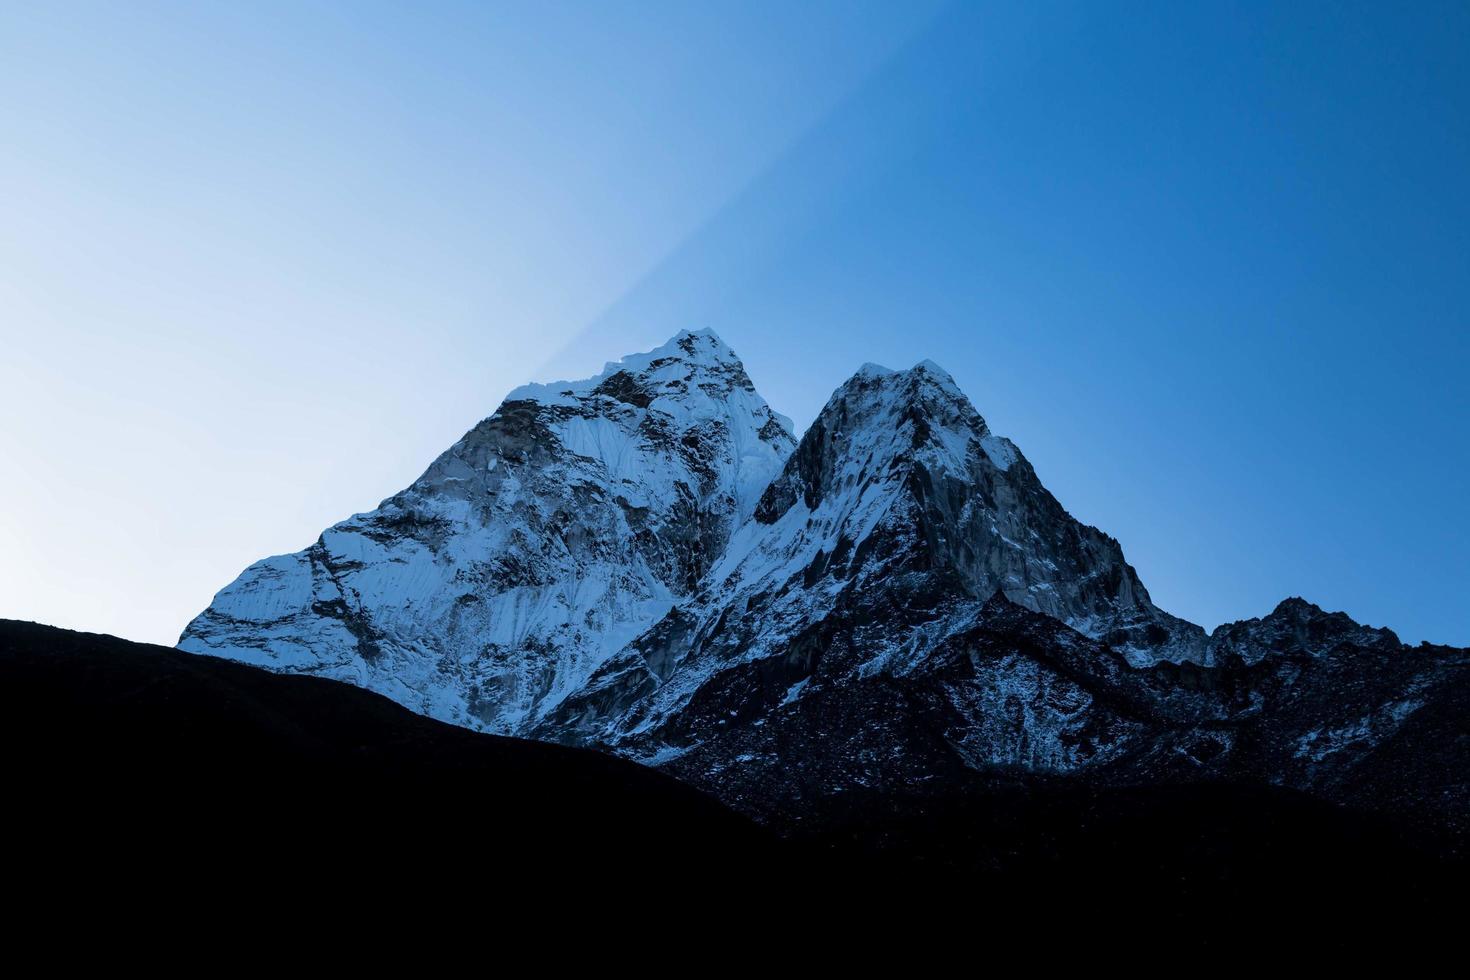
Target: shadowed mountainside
<point>122,752</point>
<point>128,762</point>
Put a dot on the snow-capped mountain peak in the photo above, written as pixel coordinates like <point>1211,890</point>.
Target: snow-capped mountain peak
<point>550,535</point>
<point>679,377</point>
<point>872,421</point>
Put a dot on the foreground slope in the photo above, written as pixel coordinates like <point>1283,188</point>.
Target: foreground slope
<point>549,536</point>
<point>152,780</point>
<point>122,753</point>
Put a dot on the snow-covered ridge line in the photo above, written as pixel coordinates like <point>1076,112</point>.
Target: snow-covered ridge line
<point>689,348</point>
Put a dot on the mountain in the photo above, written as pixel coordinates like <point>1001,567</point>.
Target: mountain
<point>893,609</point>
<point>553,533</point>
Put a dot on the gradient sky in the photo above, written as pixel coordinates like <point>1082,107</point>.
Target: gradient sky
<point>1208,267</point>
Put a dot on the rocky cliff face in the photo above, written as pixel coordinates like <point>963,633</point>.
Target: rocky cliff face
<point>553,533</point>
<point>648,562</point>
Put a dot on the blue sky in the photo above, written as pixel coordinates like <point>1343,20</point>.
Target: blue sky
<point>1206,264</point>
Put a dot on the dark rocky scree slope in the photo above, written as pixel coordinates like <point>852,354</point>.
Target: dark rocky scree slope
<point>147,782</point>
<point>893,609</point>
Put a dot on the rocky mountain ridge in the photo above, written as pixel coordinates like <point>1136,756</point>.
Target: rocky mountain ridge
<point>1016,695</point>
